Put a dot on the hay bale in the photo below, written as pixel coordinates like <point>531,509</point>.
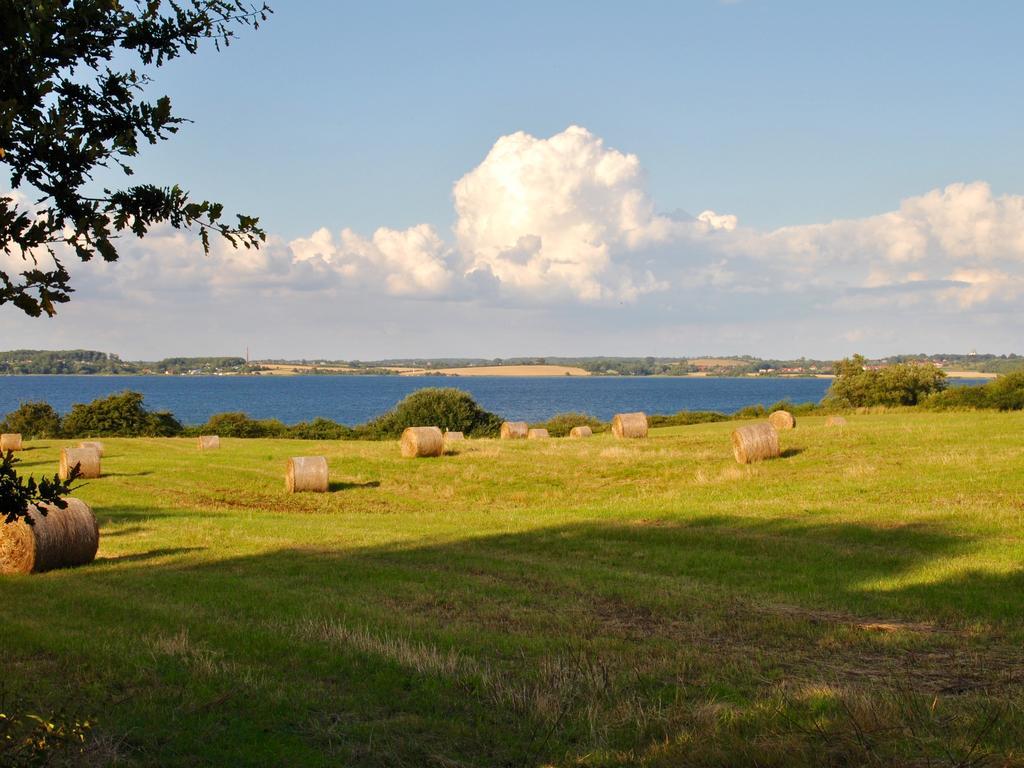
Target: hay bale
<point>835,421</point>
<point>306,473</point>
<point>581,432</point>
<point>451,438</point>
<point>629,425</point>
<point>209,442</point>
<point>782,420</point>
<point>537,434</point>
<point>755,442</point>
<point>86,459</point>
<point>514,430</point>
<point>62,538</point>
<point>422,441</point>
<point>10,441</point>
<point>93,444</point>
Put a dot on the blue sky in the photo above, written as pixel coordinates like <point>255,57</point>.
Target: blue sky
<point>352,117</point>
<point>785,112</point>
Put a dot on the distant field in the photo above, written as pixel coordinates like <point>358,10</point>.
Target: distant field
<point>290,369</point>
<point>971,375</point>
<point>287,369</point>
<point>565,603</point>
<point>500,370</point>
<point>716,362</point>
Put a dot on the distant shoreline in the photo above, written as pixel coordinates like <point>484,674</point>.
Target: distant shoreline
<point>507,371</point>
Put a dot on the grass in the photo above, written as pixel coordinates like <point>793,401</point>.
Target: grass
<point>568,603</point>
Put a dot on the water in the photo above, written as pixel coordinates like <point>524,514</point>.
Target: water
<point>356,399</point>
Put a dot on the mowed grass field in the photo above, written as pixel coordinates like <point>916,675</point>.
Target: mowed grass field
<point>566,603</point>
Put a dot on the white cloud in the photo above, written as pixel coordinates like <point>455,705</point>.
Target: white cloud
<point>550,216</point>
<point>566,222</point>
<point>405,262</point>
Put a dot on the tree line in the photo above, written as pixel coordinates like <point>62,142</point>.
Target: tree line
<point>857,385</point>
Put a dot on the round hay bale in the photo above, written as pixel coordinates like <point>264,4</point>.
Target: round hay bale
<point>62,538</point>
<point>98,446</point>
<point>514,430</point>
<point>629,425</point>
<point>422,441</point>
<point>581,432</point>
<point>87,460</point>
<point>306,473</point>
<point>835,421</point>
<point>10,441</point>
<point>537,434</point>
<point>209,442</point>
<point>782,420</point>
<point>451,438</point>
<point>755,442</point>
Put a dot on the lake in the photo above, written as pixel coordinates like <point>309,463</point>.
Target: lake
<point>356,399</point>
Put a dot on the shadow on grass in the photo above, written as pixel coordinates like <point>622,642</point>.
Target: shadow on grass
<point>340,485</point>
<point>151,555</point>
<point>520,649</point>
<point>127,474</point>
<point>123,514</point>
<point>791,452</point>
<point>128,530</point>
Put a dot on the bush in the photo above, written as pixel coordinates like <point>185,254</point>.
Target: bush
<point>1005,394</point>
<point>449,409</point>
<point>35,421</point>
<point>560,424</point>
<point>238,424</point>
<point>685,418</point>
<point>319,429</point>
<point>121,415</point>
<point>903,384</point>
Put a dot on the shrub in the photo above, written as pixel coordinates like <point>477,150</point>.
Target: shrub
<point>121,415</point>
<point>1005,394</point>
<point>751,412</point>
<point>560,424</point>
<point>319,429</point>
<point>449,409</point>
<point>903,384</point>
<point>238,424</point>
<point>35,421</point>
<point>685,418</point>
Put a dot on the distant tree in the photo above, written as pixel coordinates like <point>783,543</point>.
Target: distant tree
<point>121,415</point>
<point>1004,394</point>
<point>561,424</point>
<point>238,424</point>
<point>857,385</point>
<point>450,409</point>
<point>70,103</point>
<point>34,421</point>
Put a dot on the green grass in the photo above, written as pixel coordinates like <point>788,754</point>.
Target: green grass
<point>596,603</point>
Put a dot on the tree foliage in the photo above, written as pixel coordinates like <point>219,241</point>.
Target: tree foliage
<point>33,421</point>
<point>857,385</point>
<point>561,424</point>
<point>1004,394</point>
<point>449,409</point>
<point>72,79</point>
<point>121,415</point>
<point>18,494</point>
<point>238,424</point>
